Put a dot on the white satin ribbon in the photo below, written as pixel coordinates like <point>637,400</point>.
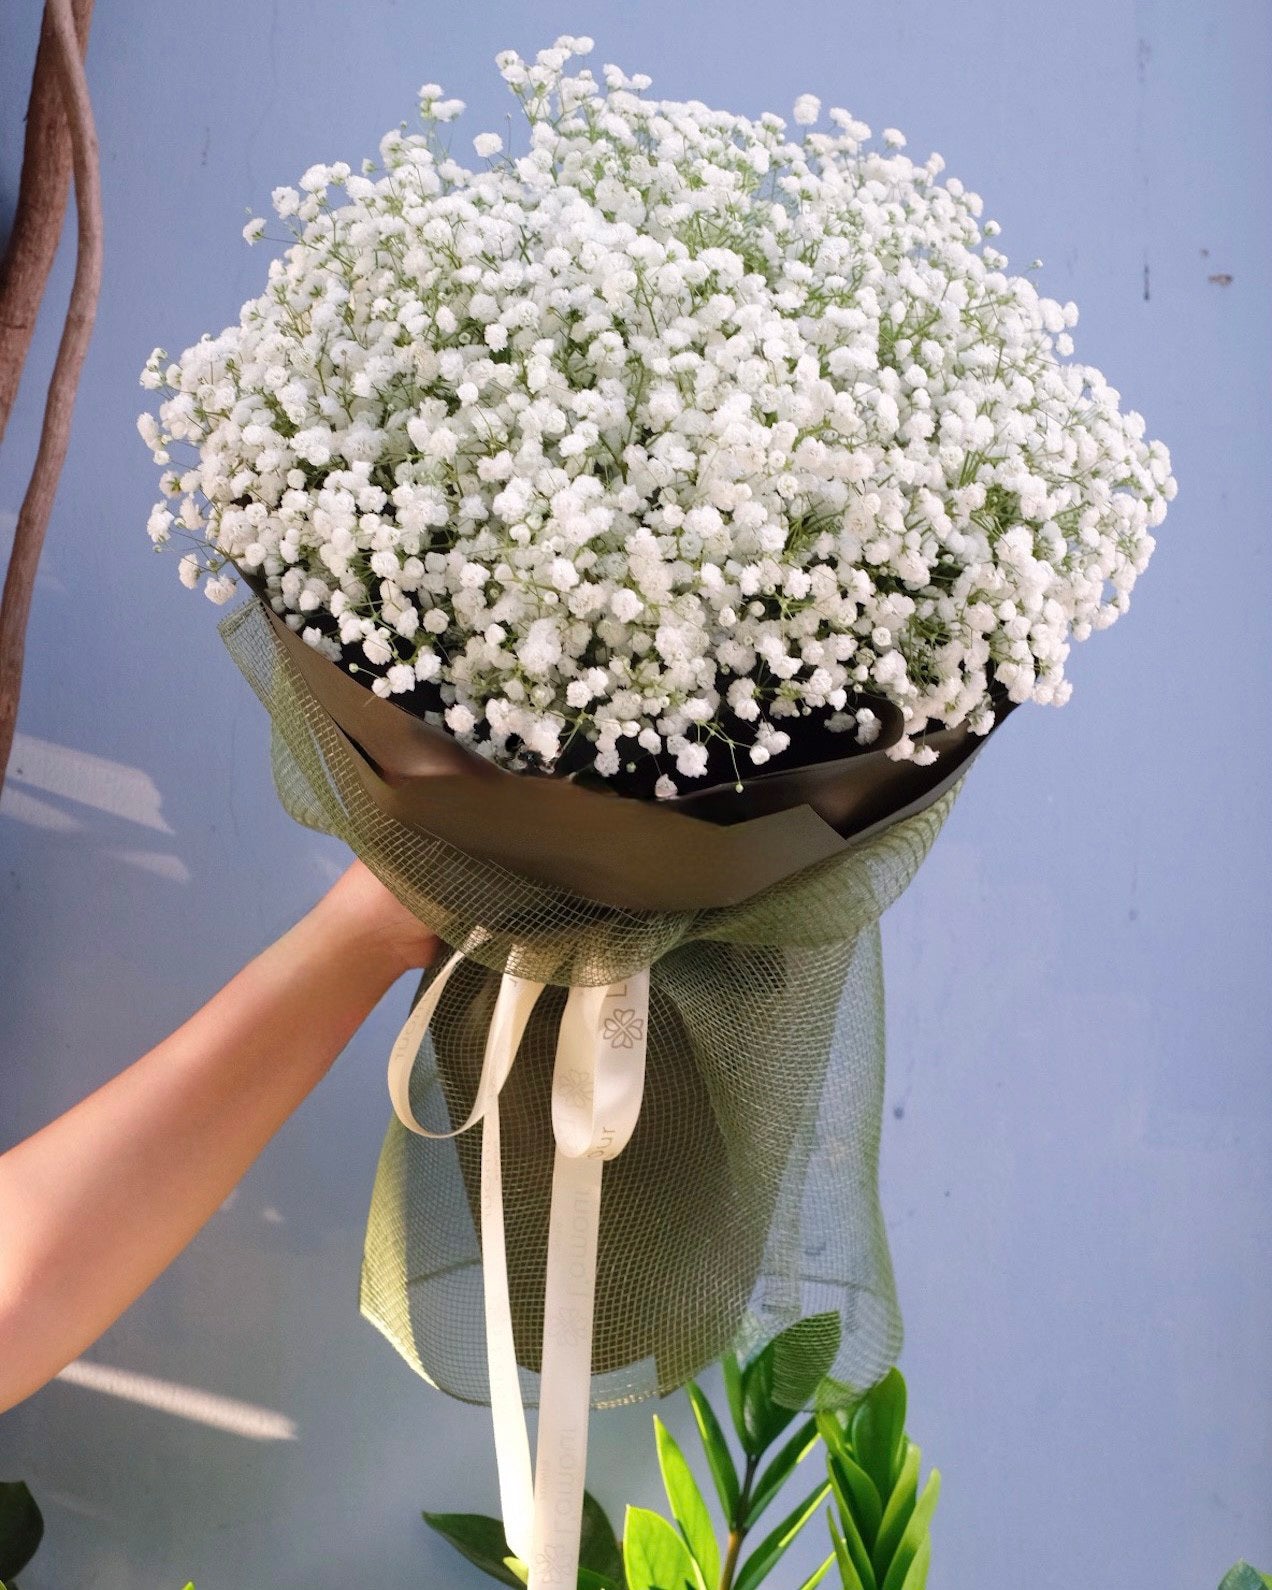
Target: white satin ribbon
<point>598,1083</point>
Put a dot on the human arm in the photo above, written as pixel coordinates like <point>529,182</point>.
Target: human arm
<point>101,1200</point>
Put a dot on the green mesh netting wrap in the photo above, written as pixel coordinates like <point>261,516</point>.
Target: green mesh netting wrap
<point>747,1198</point>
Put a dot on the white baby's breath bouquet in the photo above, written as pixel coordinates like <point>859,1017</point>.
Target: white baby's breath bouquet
<point>633,450</point>
<point>679,459</point>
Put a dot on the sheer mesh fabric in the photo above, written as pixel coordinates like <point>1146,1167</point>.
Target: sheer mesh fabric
<point>747,1198</point>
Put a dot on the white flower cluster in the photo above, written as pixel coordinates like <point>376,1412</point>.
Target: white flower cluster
<point>658,437</point>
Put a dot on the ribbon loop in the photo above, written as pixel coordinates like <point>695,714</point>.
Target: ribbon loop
<point>598,1085</point>
<point>517,996</point>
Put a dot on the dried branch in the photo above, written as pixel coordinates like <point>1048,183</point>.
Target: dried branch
<point>37,505</point>
<point>41,209</point>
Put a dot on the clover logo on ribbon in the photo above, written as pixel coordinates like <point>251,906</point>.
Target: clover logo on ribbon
<point>624,1029</point>
<point>569,1327</point>
<point>576,1087</point>
<point>550,1559</point>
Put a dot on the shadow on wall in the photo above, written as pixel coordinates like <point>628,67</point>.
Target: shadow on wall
<point>54,787</point>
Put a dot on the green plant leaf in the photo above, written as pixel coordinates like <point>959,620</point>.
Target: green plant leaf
<point>916,1534</point>
<point>783,1377</point>
<point>654,1556</point>
<point>757,1378</point>
<point>687,1505</point>
<point>21,1527</point>
<point>877,1431</point>
<point>780,1469</point>
<point>857,1549</point>
<point>896,1512</point>
<point>855,1571</point>
<point>802,1358</point>
<point>733,1391</point>
<point>763,1420</point>
<point>757,1565</point>
<point>719,1458</point>
<point>916,1577</point>
<point>599,1551</point>
<point>481,1540</point>
<point>855,1492</point>
<point>598,1581</point>
<point>1241,1576</point>
<point>831,1428</point>
<point>812,1582</point>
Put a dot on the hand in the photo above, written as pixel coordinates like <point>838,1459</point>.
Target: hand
<point>361,906</point>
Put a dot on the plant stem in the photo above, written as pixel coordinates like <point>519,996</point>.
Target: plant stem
<point>737,1526</point>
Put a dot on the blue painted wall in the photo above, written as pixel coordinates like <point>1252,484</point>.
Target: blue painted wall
<point>1078,1147</point>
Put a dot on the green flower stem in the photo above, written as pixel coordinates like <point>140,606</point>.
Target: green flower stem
<point>737,1525</point>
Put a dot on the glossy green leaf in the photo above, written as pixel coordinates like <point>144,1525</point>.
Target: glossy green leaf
<point>733,1391</point>
<point>1241,1576</point>
<point>719,1458</point>
<point>816,1579</point>
<point>766,1554</point>
<point>781,1468</point>
<point>877,1431</point>
<point>599,1550</point>
<point>854,1571</point>
<point>21,1527</point>
<point>916,1533</point>
<point>802,1358</point>
<point>687,1505</point>
<point>857,1548</point>
<point>896,1512</point>
<point>482,1541</point>
<point>855,1491</point>
<point>831,1428</point>
<point>763,1419</point>
<point>916,1577</point>
<point>757,1404</point>
<point>654,1556</point>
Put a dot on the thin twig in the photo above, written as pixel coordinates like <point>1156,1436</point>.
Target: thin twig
<point>37,505</point>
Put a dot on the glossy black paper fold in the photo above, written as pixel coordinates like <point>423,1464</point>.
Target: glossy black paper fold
<point>706,848</point>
